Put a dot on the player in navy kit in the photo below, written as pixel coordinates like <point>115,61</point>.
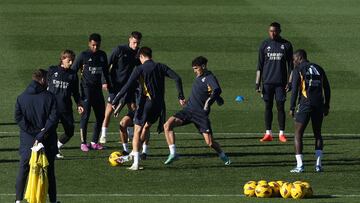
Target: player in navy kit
<point>311,86</point>
<point>205,91</point>
<point>273,77</point>
<point>151,76</point>
<point>63,82</point>
<point>122,62</point>
<point>94,76</point>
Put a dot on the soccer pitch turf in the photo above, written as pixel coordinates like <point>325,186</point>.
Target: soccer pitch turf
<point>228,33</point>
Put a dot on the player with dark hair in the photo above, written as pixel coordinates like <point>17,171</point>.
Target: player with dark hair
<point>122,62</point>
<point>63,82</point>
<point>151,107</point>
<point>273,77</point>
<point>36,116</point>
<point>94,71</point>
<point>205,91</point>
<point>312,87</point>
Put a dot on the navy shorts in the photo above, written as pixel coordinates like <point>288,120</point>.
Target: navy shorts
<point>200,120</point>
<point>148,111</point>
<point>271,91</point>
<point>305,112</point>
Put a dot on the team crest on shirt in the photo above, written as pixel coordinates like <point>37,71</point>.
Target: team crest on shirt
<point>90,59</point>
<point>268,48</point>
<point>282,47</point>
<point>56,74</point>
<point>203,79</point>
<point>101,59</point>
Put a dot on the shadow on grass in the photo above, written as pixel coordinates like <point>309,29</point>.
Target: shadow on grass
<point>8,161</point>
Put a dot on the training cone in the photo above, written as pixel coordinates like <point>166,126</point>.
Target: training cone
<point>239,98</point>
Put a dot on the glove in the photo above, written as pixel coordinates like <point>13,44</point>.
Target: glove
<point>288,87</point>
<point>220,101</point>
<point>257,87</point>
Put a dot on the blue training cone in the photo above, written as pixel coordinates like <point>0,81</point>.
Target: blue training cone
<point>239,98</point>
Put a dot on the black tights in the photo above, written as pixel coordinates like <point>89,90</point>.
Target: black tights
<point>269,114</point>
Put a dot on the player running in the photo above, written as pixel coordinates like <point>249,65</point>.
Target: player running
<point>205,91</point>
<point>274,72</point>
<point>122,62</point>
<point>94,70</point>
<point>312,87</point>
<point>151,76</point>
<point>63,82</point>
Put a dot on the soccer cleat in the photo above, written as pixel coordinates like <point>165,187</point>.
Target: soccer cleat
<point>143,156</point>
<point>297,170</point>
<point>171,158</point>
<point>318,169</point>
<point>102,139</point>
<point>84,147</point>
<point>135,167</point>
<point>226,160</point>
<point>97,146</point>
<point>282,138</point>
<point>266,138</point>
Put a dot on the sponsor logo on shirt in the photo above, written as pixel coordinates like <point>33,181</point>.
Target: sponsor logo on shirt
<point>268,48</point>
<point>275,56</point>
<point>56,74</point>
<point>60,84</point>
<point>90,59</point>
<point>95,70</point>
<point>282,47</point>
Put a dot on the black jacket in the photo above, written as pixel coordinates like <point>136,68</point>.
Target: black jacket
<point>63,83</point>
<point>311,85</point>
<point>35,110</point>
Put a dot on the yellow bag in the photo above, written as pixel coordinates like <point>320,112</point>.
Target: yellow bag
<point>37,185</point>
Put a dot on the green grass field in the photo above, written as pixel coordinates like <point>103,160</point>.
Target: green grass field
<point>228,33</point>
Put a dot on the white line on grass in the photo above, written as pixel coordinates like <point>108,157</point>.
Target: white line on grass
<point>220,133</point>
<point>171,195</point>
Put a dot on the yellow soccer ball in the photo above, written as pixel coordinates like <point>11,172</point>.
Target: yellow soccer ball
<point>113,158</point>
<point>308,189</point>
<point>275,188</point>
<point>249,189</point>
<point>263,191</point>
<point>285,190</point>
<point>262,182</point>
<point>297,191</point>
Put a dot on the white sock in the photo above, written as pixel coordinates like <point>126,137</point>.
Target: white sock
<point>136,158</point>
<point>299,158</point>
<point>269,132</point>
<point>103,131</point>
<point>318,156</point>
<point>59,144</point>
<point>17,201</point>
<point>281,132</point>
<point>144,148</point>
<point>125,147</point>
<point>222,154</point>
<point>172,149</point>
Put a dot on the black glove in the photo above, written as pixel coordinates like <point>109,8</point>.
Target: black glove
<point>257,87</point>
<point>288,87</point>
<point>326,111</point>
<point>220,101</point>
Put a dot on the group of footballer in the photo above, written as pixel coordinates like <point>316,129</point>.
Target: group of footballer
<point>134,80</point>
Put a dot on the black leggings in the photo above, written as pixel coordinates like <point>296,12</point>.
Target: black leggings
<point>269,114</point>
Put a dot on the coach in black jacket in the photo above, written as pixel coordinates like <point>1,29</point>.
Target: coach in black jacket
<point>36,115</point>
